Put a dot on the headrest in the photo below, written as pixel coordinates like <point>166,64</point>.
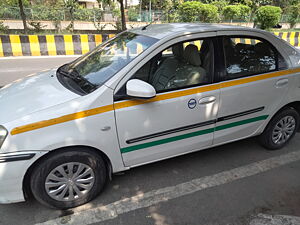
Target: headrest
<point>241,46</point>
<point>191,55</point>
<point>178,51</point>
<point>262,48</point>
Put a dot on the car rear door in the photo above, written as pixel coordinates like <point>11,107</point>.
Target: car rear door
<point>252,86</point>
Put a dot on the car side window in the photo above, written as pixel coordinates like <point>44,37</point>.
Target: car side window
<point>245,56</point>
<point>182,65</point>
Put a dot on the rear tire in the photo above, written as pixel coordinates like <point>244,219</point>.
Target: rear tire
<point>68,178</point>
<point>280,130</point>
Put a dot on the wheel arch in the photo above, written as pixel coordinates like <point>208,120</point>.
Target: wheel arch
<point>26,180</point>
<point>295,105</point>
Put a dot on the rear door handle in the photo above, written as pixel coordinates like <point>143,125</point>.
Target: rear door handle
<point>207,100</point>
<point>281,83</point>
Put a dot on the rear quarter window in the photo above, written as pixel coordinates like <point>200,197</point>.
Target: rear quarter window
<point>246,56</point>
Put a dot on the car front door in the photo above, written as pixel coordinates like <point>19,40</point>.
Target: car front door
<point>251,86</point>
<point>181,118</point>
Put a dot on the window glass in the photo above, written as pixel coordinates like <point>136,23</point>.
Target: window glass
<point>250,56</point>
<point>106,60</point>
<point>180,66</point>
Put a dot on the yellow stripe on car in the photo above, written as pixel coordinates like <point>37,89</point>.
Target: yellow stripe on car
<point>130,103</point>
<point>62,119</point>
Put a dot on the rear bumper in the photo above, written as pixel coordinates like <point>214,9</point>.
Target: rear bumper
<point>13,167</point>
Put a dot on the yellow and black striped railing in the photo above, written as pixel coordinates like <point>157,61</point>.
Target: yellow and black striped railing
<point>77,44</point>
<point>49,45</point>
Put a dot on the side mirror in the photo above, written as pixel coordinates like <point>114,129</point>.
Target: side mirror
<point>140,89</point>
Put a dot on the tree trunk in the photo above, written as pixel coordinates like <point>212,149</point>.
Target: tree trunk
<point>122,15</point>
<point>23,16</point>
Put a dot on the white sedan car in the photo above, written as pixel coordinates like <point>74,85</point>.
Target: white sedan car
<point>148,94</point>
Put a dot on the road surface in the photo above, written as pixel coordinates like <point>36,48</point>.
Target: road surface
<point>13,68</point>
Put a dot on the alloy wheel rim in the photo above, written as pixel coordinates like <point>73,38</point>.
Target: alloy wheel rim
<point>283,130</point>
<point>70,181</point>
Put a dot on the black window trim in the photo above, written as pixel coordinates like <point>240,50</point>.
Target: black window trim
<point>224,71</point>
<point>121,95</point>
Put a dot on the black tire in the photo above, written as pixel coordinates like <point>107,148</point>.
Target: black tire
<point>79,155</point>
<point>266,137</point>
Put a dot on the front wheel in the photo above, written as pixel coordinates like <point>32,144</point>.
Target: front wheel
<point>68,178</point>
<point>281,129</point>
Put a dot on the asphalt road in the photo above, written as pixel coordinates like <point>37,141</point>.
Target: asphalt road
<point>14,68</point>
<point>236,184</point>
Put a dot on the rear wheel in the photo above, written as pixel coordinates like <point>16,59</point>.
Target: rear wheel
<point>69,178</point>
<point>281,129</point>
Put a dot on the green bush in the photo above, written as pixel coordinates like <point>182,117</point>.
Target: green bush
<point>268,16</point>
<point>220,4</point>
<point>244,11</point>
<point>196,11</point>
<point>45,13</point>
<point>189,11</point>
<point>3,29</point>
<point>208,13</point>
<point>231,12</point>
<point>236,12</point>
<point>293,14</point>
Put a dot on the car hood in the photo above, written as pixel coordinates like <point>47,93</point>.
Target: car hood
<point>32,94</point>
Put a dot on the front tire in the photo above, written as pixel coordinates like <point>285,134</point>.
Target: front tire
<point>69,178</point>
<point>280,130</point>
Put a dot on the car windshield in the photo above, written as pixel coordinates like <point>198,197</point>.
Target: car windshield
<point>97,66</point>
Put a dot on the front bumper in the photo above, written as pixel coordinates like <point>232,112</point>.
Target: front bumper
<point>13,167</point>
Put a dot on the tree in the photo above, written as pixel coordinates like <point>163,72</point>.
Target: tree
<point>220,4</point>
<point>239,11</point>
<point>23,16</point>
<point>155,4</point>
<point>104,3</point>
<point>189,11</point>
<point>170,10</point>
<point>293,14</point>
<point>71,5</point>
<point>123,21</point>
<point>268,16</point>
<point>197,11</point>
<point>208,13</point>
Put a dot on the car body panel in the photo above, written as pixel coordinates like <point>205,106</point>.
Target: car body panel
<point>32,94</point>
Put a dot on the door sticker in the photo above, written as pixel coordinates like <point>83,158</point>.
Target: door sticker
<point>192,103</point>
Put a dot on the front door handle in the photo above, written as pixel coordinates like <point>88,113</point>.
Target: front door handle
<point>207,100</point>
<point>281,83</point>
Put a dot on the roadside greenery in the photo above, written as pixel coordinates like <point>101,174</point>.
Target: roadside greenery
<point>293,13</point>
<point>268,16</point>
<point>238,12</point>
<point>264,13</point>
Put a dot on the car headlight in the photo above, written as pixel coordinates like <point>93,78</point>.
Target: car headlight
<point>3,135</point>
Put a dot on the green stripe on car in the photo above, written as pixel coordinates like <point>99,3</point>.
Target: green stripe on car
<point>192,134</point>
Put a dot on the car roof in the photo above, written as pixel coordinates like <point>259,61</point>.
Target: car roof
<point>161,31</point>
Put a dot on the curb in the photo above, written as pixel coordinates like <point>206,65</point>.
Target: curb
<point>49,45</point>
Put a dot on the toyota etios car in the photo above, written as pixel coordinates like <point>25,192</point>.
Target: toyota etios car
<point>148,94</point>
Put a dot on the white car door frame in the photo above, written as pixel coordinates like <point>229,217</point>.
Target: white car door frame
<point>172,123</point>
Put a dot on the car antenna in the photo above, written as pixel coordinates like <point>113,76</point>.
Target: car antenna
<point>145,27</point>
